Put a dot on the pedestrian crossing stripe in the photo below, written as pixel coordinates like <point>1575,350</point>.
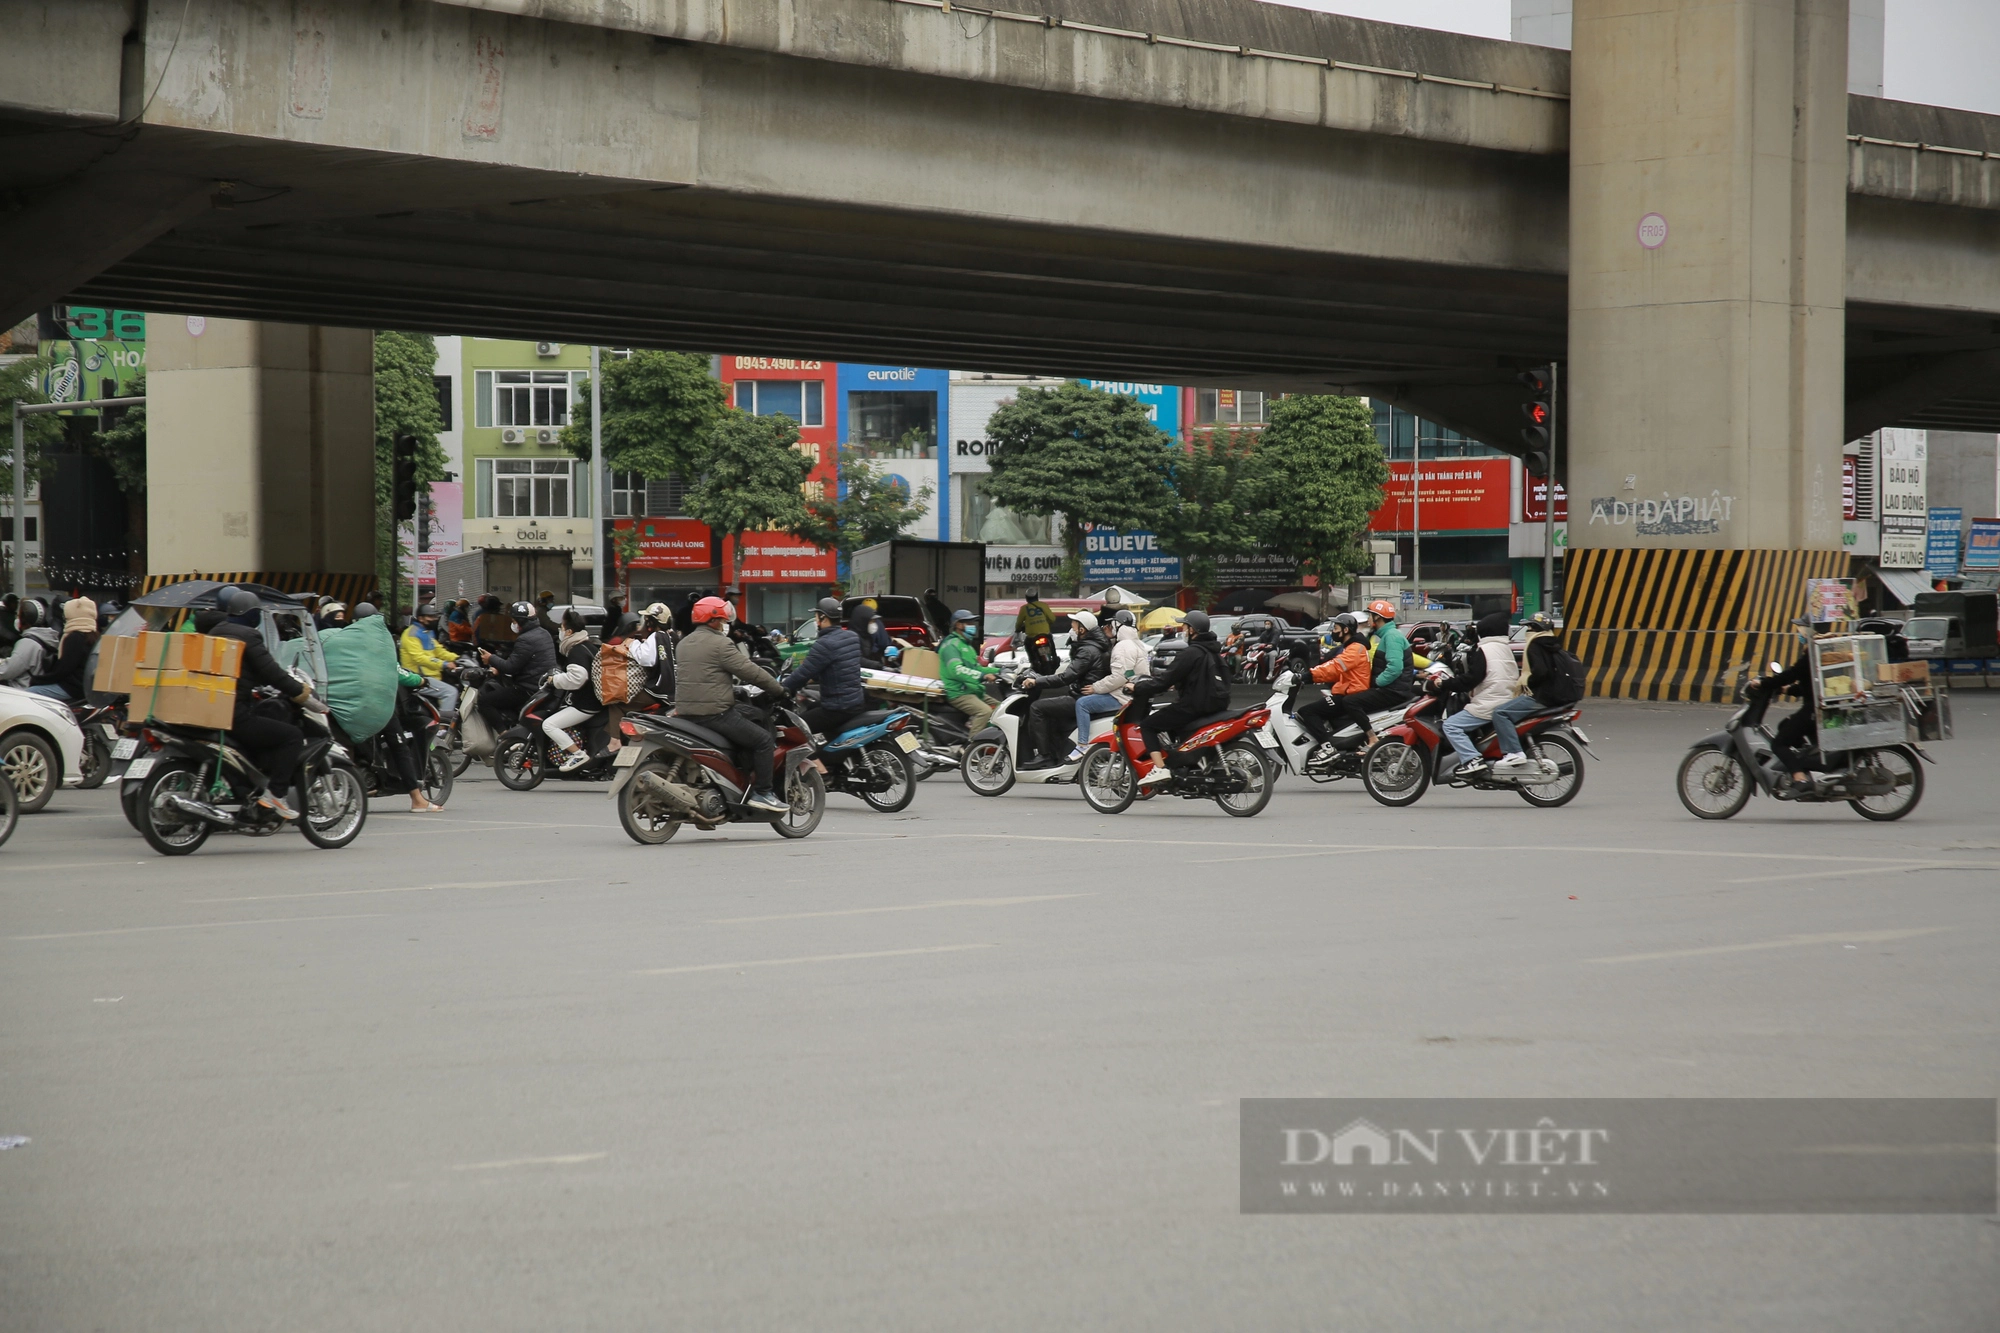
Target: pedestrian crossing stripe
<point>1687,625</point>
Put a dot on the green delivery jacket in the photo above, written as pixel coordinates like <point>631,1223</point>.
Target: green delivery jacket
<point>958,664</point>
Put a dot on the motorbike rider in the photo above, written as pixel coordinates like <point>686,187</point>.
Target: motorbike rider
<point>1034,618</point>
<point>579,703</point>
<point>273,742</point>
<point>1197,672</point>
<point>1053,716</point>
<point>1488,681</point>
<point>421,651</point>
<point>530,657</point>
<point>37,643</point>
<point>651,644</point>
<point>835,662</point>
<point>61,676</point>
<point>1395,677</point>
<point>492,627</point>
<point>1795,739</point>
<point>964,678</point>
<point>1345,676</point>
<point>1545,683</point>
<point>1110,694</point>
<point>709,666</point>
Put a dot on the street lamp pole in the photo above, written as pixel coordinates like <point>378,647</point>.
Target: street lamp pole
<point>599,490</point>
<point>1549,497</point>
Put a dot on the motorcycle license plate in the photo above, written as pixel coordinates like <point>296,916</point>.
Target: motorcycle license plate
<point>628,755</point>
<point>907,741</point>
<point>110,732</point>
<point>126,748</point>
<point>140,768</point>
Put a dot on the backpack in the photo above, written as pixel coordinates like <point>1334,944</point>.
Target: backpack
<point>613,675</point>
<point>1571,679</point>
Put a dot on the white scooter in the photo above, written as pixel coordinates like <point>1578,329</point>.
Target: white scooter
<point>1290,745</point>
<point>988,767</point>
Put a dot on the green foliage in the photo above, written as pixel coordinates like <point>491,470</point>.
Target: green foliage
<point>661,410</point>
<point>405,404</point>
<point>1313,480</point>
<point>870,507</point>
<point>123,447</point>
<point>1206,516</point>
<point>1088,455</point>
<point>751,480</point>
<point>22,382</point>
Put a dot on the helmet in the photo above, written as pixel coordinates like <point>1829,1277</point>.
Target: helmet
<point>1540,623</point>
<point>1083,618</point>
<point>362,610</point>
<point>711,608</point>
<point>828,607</point>
<point>521,611</point>
<point>659,614</point>
<point>1196,622</point>
<point>428,611</point>
<point>330,609</point>
<point>1383,608</point>
<point>242,602</point>
<point>627,623</point>
<point>29,614</point>
<point>1491,625</point>
<point>1125,618</point>
<point>961,617</point>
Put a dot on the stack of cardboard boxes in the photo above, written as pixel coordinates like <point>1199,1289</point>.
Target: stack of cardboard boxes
<point>185,679</point>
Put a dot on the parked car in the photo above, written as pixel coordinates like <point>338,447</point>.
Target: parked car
<point>41,746</point>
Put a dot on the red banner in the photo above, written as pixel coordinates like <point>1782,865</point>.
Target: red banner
<point>670,543</point>
<point>775,557</point>
<point>1535,500</point>
<point>1458,495</point>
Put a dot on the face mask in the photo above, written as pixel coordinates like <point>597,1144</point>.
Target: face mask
<point>969,632</point>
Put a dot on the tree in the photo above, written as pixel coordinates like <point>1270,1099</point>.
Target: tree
<point>1313,480</point>
<point>751,480</point>
<point>660,414</point>
<point>405,404</point>
<point>1088,455</point>
<point>868,507</point>
<point>123,446</point>
<point>1206,516</point>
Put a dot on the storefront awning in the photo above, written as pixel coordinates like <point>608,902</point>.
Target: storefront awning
<point>1904,584</point>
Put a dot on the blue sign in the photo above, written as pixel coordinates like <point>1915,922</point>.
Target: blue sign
<point>1110,556</point>
<point>1982,544</point>
<point>1163,401</point>
<point>1941,552</point>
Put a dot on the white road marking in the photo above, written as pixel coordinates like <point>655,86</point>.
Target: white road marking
<point>1788,942</point>
<point>196,925</point>
<point>1869,870</point>
<point>568,1159</point>
<point>812,958</point>
<point>14,870</point>
<point>408,888</point>
<point>901,907</point>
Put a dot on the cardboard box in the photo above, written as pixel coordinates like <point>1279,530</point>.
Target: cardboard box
<point>185,679</point>
<point>208,701</point>
<point>114,665</point>
<point>920,662</point>
<point>1903,673</point>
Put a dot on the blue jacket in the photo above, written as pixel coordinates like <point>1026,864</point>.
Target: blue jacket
<point>835,662</point>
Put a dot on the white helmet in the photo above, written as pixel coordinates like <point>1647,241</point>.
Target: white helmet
<point>1084,620</point>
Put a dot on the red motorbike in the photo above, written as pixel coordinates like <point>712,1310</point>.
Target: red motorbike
<point>1414,753</point>
<point>672,770</point>
<point>1220,760</point>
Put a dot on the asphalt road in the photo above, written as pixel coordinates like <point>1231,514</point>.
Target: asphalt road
<point>974,1066</point>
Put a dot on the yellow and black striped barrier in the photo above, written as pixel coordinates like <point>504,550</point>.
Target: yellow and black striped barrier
<point>349,588</point>
<point>1686,625</point>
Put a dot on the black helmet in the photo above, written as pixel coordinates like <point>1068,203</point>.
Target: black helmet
<point>627,623</point>
<point>829,607</point>
<point>1540,623</point>
<point>241,602</point>
<point>523,612</point>
<point>428,611</point>
<point>1196,622</point>
<point>28,614</point>
<point>223,594</point>
<point>1491,625</point>
<point>363,610</point>
<point>1125,618</point>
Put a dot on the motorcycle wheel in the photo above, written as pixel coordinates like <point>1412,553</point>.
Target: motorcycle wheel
<point>890,763</point>
<point>520,765</point>
<point>166,830</point>
<point>987,768</point>
<point>1895,804</point>
<point>1245,761</point>
<point>1713,784</point>
<point>805,792</point>
<point>96,765</point>
<point>1109,785</point>
<point>335,807</point>
<point>438,777</point>
<point>1396,773</point>
<point>10,811</point>
<point>1569,763</point>
<point>649,826</point>
<point>29,762</point>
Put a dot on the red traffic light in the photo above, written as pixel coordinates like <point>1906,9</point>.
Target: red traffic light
<point>1537,413</point>
<point>1537,381</point>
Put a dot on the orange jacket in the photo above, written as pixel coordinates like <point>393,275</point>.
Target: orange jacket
<point>1344,673</point>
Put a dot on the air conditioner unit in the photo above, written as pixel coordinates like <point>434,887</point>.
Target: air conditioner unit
<point>548,349</point>
<point>512,435</point>
<point>546,435</point>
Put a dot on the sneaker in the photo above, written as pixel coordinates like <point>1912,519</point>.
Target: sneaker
<point>1157,776</point>
<point>767,803</point>
<point>1470,772</point>
<point>1511,762</point>
<point>1322,753</point>
<point>574,760</point>
<point>1075,756</point>
<point>277,806</point>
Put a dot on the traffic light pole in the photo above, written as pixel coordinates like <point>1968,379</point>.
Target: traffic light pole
<point>598,488</point>
<point>1549,495</point>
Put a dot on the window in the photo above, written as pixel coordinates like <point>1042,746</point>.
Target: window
<point>892,424</point>
<point>443,386</point>
<point>1228,407</point>
<point>666,498</point>
<point>1400,434</point>
<point>527,488</point>
<point>980,520</point>
<point>531,397</point>
<point>28,526</point>
<point>482,398</point>
<point>804,401</point>
<point>628,495</point>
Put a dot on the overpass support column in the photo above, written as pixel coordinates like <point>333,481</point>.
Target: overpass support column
<point>260,453</point>
<point>1708,213</point>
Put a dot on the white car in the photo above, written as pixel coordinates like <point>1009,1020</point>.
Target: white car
<point>41,746</point>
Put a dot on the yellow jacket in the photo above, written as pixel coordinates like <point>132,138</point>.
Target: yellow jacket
<point>422,652</point>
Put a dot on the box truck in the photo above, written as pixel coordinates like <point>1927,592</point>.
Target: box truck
<point>513,574</point>
<point>954,571</point>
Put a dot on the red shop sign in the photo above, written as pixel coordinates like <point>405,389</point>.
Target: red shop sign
<point>1459,495</point>
<point>670,543</point>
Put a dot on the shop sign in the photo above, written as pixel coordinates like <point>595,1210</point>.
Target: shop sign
<point>1982,544</point>
<point>777,557</point>
<point>1941,551</point>
<point>1905,499</point>
<point>1022,564</point>
<point>1259,569</point>
<point>1111,556</point>
<point>1457,495</point>
<point>1162,401</point>
<point>1535,500</point>
<point>670,543</point>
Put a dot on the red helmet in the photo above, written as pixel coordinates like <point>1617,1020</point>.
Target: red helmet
<point>1384,609</point>
<point>712,608</point>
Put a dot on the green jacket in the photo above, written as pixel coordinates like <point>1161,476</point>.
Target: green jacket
<point>958,664</point>
<point>1392,655</point>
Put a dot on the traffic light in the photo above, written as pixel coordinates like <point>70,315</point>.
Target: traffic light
<point>1540,430</point>
<point>426,515</point>
<point>403,483</point>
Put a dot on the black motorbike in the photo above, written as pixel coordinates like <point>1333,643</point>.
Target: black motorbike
<point>194,783</point>
<point>103,727</point>
<point>417,725</point>
<point>522,758</point>
<point>1721,771</point>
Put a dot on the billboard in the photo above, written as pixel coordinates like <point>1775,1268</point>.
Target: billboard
<point>1982,544</point>
<point>1905,499</point>
<point>1455,495</point>
<point>1163,401</point>
<point>778,557</point>
<point>1110,556</point>
<point>670,543</point>
<point>447,530</point>
<point>1535,500</point>
<point>1941,546</point>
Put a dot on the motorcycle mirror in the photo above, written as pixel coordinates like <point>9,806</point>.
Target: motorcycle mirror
<point>1776,667</point>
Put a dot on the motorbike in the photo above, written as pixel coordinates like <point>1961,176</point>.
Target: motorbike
<point>195,782</point>
<point>521,758</point>
<point>990,766</point>
<point>1293,747</point>
<point>672,770</point>
<point>1412,754</point>
<point>874,758</point>
<point>103,727</point>
<point>1221,760</point>
<point>1721,770</point>
<point>424,730</point>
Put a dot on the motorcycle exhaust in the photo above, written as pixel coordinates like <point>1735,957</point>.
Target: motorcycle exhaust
<point>937,758</point>
<point>187,805</point>
<point>680,799</point>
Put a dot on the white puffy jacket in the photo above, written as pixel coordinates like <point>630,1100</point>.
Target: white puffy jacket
<point>1129,661</point>
<point>1501,674</point>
